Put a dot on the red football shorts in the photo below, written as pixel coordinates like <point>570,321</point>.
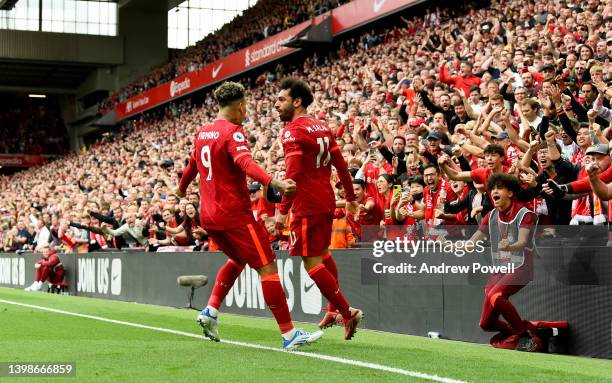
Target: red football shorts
<point>245,244</point>
<point>310,236</point>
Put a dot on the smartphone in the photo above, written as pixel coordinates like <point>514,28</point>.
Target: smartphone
<point>397,189</point>
<point>372,151</point>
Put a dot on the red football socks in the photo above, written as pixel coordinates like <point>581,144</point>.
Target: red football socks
<point>329,288</point>
<point>330,265</point>
<point>225,280</point>
<point>275,298</point>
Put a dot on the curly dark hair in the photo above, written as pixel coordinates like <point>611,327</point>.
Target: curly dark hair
<point>494,149</point>
<point>298,89</point>
<point>504,181</point>
<point>228,93</point>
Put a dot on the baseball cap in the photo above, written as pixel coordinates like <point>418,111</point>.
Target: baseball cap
<point>597,149</point>
<point>254,187</point>
<point>547,67</point>
<point>502,135</point>
<point>434,136</point>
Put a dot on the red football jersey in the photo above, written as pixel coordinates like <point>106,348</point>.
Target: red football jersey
<point>315,144</point>
<point>224,194</point>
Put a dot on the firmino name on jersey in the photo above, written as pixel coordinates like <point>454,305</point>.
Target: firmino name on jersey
<point>316,128</point>
<point>208,135</point>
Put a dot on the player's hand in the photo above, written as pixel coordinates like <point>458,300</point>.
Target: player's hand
<point>285,187</point>
<point>593,169</point>
<point>179,193</point>
<point>438,213</point>
<point>352,207</point>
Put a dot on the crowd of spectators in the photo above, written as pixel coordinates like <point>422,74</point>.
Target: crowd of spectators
<point>435,105</point>
<point>266,18</point>
<point>32,126</point>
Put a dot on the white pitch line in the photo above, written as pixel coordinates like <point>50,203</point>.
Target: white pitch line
<point>350,362</point>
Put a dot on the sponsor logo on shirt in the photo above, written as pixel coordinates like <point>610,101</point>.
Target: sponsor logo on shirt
<point>287,137</point>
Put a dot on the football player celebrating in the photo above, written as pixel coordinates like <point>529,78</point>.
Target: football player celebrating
<point>222,157</point>
<point>310,150</point>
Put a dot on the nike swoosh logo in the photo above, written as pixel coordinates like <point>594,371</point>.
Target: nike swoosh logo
<point>307,288</point>
<point>216,70</point>
<point>115,277</point>
<point>378,4</point>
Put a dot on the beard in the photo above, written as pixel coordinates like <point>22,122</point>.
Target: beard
<point>285,114</point>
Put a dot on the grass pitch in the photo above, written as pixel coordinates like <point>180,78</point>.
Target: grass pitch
<point>118,353</point>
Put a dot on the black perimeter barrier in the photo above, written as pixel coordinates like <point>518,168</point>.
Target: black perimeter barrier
<point>571,284</point>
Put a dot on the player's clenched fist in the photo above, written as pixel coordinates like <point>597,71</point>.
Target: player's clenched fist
<point>285,187</point>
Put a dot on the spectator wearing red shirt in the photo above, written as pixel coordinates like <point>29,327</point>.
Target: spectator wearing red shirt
<point>465,80</point>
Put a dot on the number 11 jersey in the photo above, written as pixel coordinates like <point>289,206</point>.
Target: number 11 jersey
<point>314,143</point>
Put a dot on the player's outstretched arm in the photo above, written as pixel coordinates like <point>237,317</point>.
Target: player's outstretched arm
<point>189,174</point>
<point>250,167</point>
<point>294,168</point>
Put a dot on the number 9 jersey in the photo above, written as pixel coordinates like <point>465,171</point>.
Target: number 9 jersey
<point>310,150</point>
<point>218,149</point>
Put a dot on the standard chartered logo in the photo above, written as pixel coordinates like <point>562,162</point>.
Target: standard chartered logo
<point>276,46</point>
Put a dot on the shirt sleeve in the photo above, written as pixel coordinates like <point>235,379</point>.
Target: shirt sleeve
<point>479,176</point>
<point>237,144</point>
<point>528,221</point>
<point>293,152</point>
<point>484,224</point>
<point>291,143</point>
<point>583,185</point>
